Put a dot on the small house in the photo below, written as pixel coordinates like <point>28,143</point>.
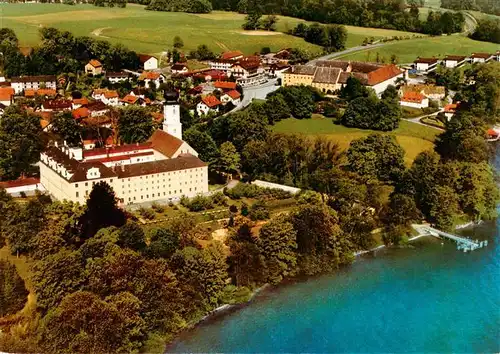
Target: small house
<point>450,110</point>
<point>108,97</point>
<point>6,96</point>
<point>148,62</point>
<point>232,96</point>
<point>179,68</point>
<point>452,61</point>
<point>425,64</point>
<point>232,55</point>
<point>116,77</point>
<point>208,104</point>
<point>481,57</point>
<point>414,100</point>
<point>152,77</point>
<point>94,67</point>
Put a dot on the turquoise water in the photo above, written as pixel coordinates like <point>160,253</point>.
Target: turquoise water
<point>430,298</point>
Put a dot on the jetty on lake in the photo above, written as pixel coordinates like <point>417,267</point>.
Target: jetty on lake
<point>463,243</point>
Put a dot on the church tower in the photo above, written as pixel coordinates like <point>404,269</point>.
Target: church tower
<point>172,114</point>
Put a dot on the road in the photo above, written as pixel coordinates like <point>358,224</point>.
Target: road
<point>347,51</point>
<point>258,92</point>
<point>417,119</point>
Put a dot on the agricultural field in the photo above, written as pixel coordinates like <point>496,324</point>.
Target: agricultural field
<point>407,51</point>
<point>414,138</point>
<point>152,32</point>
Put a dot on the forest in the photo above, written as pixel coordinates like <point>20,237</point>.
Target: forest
<point>487,6</point>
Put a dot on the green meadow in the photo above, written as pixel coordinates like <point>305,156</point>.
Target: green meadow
<point>152,32</point>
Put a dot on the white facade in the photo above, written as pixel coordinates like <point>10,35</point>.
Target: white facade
<point>223,65</point>
<point>203,109</point>
<point>225,98</point>
<point>32,82</point>
<point>381,87</point>
<point>423,104</point>
<point>151,64</point>
<point>172,120</point>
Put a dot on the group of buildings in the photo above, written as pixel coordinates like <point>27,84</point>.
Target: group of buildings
<point>453,61</point>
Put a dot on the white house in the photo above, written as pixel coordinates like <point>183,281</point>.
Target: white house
<point>232,96</point>
<point>450,109</point>
<point>148,77</point>
<point>208,104</point>
<point>94,67</point>
<point>179,68</point>
<point>148,62</point>
<point>221,64</point>
<point>22,185</point>
<point>117,77</point>
<point>108,97</point>
<point>452,61</point>
<point>481,57</point>
<point>19,84</point>
<point>425,64</point>
<point>97,109</point>
<point>414,100</point>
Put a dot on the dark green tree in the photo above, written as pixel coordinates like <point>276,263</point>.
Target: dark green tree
<point>13,293</point>
<point>132,236</point>
<point>67,128</point>
<point>135,125</point>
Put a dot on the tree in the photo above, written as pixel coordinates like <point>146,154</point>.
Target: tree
<point>56,276</point>
<point>13,293</point>
<point>203,143</point>
<point>203,53</point>
<point>252,21</point>
<point>20,143</point>
<point>278,245</point>
<point>178,42</point>
<point>67,128</point>
<point>265,50</point>
<point>320,243</point>
<point>163,243</point>
<point>229,158</point>
<point>135,125</point>
<point>376,156</point>
<point>371,113</point>
<point>269,22</point>
<point>101,210</point>
<point>276,109</point>
<point>245,126</point>
<point>132,236</point>
<point>300,99</point>
<point>85,323</point>
<point>402,211</point>
<point>353,89</point>
<point>205,271</point>
<point>487,30</point>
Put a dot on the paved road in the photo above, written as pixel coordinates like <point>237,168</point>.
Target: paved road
<point>417,119</point>
<point>258,92</point>
<point>347,51</point>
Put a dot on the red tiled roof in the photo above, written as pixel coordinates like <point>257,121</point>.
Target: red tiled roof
<point>426,60</point>
<point>147,168</point>
<point>57,104</point>
<point>95,63</point>
<point>39,92</point>
<point>149,75</point>
<point>481,55</point>
<point>81,112</point>
<point>130,99</point>
<point>117,149</point>
<point>179,67</point>
<point>231,54</point>
<point>97,106</point>
<point>6,93</point>
<point>458,58</point>
<point>492,132</point>
<point>111,94</point>
<point>81,101</point>
<point>225,85</point>
<point>382,74</point>
<point>411,96</point>
<point>44,123</point>
<point>211,101</point>
<point>165,143</point>
<point>19,182</point>
<point>124,157</point>
<point>234,94</point>
<point>451,108</point>
<point>145,57</point>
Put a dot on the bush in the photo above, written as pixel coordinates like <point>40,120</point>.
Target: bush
<point>233,209</point>
<point>259,211</point>
<point>219,199</point>
<point>158,208</point>
<point>147,213</point>
<point>13,293</point>
<point>245,190</point>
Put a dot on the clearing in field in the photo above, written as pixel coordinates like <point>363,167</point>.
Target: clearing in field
<point>414,138</point>
<point>153,32</point>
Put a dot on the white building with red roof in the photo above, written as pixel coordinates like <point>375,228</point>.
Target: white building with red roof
<point>164,168</point>
<point>208,104</point>
<point>94,67</point>
<point>108,97</point>
<point>232,96</point>
<point>148,62</point>
<point>414,100</point>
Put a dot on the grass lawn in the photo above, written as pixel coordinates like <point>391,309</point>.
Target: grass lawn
<point>407,51</point>
<point>414,138</point>
<point>153,32</point>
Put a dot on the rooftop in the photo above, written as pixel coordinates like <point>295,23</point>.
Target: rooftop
<point>426,61</point>
<point>145,57</point>
<point>231,54</point>
<point>413,97</point>
<point>225,85</point>
<point>95,63</point>
<point>165,143</point>
<point>234,94</point>
<point>39,78</point>
<point>147,168</point>
<point>211,101</point>
<point>326,75</point>
<point>481,55</point>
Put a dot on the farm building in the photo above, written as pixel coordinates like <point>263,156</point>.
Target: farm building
<point>94,67</point>
<point>148,62</point>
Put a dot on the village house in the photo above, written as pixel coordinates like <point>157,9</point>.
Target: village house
<point>211,75</point>
<point>80,113</point>
<point>6,96</point>
<point>131,99</point>
<point>46,93</point>
<point>224,85</point>
<point>208,104</point>
<point>79,102</point>
<point>19,84</point>
<point>23,185</point>
<point>152,77</point>
<point>330,76</point>
<point>452,61</point>
<point>425,64</point>
<point>179,68</point>
<point>97,109</point>
<point>232,96</point>
<point>481,57</point>
<point>116,77</point>
<point>221,64</point>
<point>57,105</point>
<point>277,70</point>
<point>164,168</point>
<point>414,100</point>
<point>94,67</point>
<point>432,92</point>
<point>231,55</point>
<point>450,110</point>
<point>108,97</point>
<point>249,72</point>
<point>148,62</point>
